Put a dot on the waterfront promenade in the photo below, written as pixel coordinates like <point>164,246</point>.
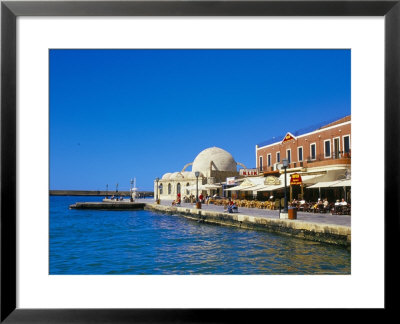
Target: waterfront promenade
<point>327,228</point>
<point>327,218</point>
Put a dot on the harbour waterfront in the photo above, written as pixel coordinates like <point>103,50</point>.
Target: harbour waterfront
<point>145,242</point>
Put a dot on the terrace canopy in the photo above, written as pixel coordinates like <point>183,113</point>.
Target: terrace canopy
<point>241,188</point>
<point>342,183</point>
<point>327,184</point>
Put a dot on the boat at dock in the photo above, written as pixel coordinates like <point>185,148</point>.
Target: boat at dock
<point>120,199</point>
<point>123,200</point>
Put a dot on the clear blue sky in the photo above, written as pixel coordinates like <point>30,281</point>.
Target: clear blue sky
<point>120,114</point>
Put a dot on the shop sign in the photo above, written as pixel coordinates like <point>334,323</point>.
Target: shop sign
<point>295,179</point>
<point>271,180</point>
<point>231,181</point>
<point>248,172</point>
<point>288,137</point>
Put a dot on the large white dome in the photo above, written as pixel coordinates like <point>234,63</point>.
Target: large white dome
<point>223,161</point>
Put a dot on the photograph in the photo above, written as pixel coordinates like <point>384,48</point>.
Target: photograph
<point>199,161</point>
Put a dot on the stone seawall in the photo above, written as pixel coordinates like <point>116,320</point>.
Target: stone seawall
<point>96,193</point>
<point>326,233</point>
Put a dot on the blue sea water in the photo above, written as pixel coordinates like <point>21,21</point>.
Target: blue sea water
<point>143,242</point>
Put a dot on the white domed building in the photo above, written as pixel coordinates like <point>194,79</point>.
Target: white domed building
<point>214,166</point>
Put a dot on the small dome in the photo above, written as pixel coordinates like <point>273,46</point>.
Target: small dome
<point>223,161</point>
<point>176,175</point>
<point>189,175</point>
<point>166,176</point>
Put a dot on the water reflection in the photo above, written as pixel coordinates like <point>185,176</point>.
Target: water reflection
<point>142,242</point>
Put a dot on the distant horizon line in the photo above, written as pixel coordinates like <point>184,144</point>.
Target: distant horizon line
<point>101,190</point>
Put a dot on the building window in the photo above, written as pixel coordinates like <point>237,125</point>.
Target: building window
<point>346,144</point>
<point>300,153</point>
<point>289,155</point>
<point>178,188</point>
<point>269,160</point>
<point>278,157</point>
<point>313,151</point>
<point>260,163</point>
<point>327,148</point>
<point>160,189</point>
<point>336,148</point>
<point>169,188</point>
<point>187,190</point>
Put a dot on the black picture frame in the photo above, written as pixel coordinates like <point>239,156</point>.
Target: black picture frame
<point>10,10</point>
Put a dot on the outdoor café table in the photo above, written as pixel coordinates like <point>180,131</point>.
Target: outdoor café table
<point>338,209</point>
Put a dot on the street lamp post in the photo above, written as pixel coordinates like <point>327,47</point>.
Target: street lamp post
<point>198,203</point>
<point>197,173</point>
<point>157,200</point>
<point>116,190</point>
<point>106,190</point>
<point>285,165</point>
<point>131,199</point>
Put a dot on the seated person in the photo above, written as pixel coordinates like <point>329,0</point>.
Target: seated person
<point>343,202</point>
<point>176,202</point>
<point>315,207</point>
<point>232,206</point>
<point>338,207</point>
<point>326,204</point>
<point>229,205</point>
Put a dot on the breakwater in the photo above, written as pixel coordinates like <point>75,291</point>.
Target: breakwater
<point>326,233</point>
<point>97,193</point>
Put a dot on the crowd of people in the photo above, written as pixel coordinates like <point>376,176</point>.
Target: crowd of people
<point>322,206</point>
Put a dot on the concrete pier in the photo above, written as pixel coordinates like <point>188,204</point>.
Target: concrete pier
<point>117,205</point>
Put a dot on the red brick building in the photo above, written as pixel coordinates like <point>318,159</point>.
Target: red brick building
<point>324,147</point>
<point>323,151</point>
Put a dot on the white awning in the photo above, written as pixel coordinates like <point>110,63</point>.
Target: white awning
<point>211,186</point>
<point>240,188</point>
<point>307,178</point>
<point>342,183</point>
<point>325,184</point>
<point>272,187</point>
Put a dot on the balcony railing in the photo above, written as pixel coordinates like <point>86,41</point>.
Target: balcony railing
<point>334,156</point>
<point>318,158</point>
